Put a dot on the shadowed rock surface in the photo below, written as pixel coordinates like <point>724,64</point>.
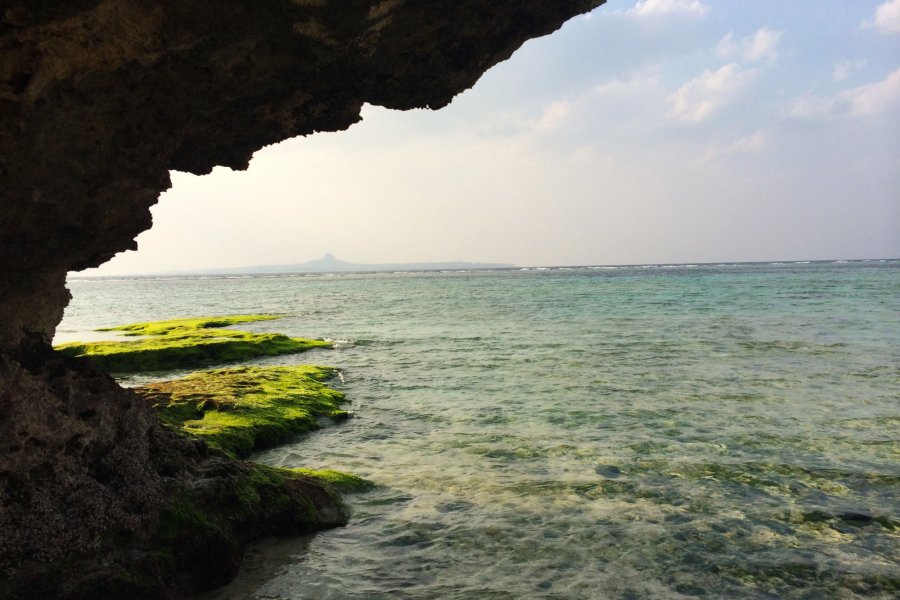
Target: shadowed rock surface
<point>99,99</point>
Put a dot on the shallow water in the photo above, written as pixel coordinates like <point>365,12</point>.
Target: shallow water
<point>728,431</point>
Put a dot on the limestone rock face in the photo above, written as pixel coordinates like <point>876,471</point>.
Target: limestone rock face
<point>99,99</point>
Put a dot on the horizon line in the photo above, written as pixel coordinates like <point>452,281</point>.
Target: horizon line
<point>223,271</point>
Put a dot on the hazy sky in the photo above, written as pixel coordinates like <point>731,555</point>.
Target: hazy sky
<point>647,131</point>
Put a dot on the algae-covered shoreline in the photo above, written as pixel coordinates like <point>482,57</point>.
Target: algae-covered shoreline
<point>186,343</point>
<point>243,409</point>
<point>220,501</point>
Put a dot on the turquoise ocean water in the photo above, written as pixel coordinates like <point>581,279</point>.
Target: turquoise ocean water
<point>710,431</point>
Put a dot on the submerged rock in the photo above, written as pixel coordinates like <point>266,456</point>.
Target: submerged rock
<point>608,471</point>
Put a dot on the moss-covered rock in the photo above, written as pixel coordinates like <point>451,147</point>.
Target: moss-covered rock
<point>243,409</point>
<point>191,535</point>
<point>188,325</point>
<point>208,525</point>
<point>340,481</point>
<point>186,343</point>
<point>157,514</point>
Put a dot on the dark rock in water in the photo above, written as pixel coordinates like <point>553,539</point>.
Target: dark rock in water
<point>608,471</point>
<point>855,517</point>
<point>849,521</point>
<point>99,99</point>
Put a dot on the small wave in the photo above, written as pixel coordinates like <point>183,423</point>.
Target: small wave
<point>368,342</point>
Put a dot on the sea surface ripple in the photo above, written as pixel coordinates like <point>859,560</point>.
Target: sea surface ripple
<point>702,431</point>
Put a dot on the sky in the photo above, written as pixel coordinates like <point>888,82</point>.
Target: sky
<point>651,131</point>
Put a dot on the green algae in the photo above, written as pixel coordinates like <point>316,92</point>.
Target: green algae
<point>243,409</point>
<point>342,482</point>
<point>187,325</point>
<point>252,489</point>
<point>200,532</point>
<point>207,526</point>
<point>187,343</point>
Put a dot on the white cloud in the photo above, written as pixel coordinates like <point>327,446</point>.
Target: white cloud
<point>761,45</point>
<point>554,115</point>
<point>668,8</point>
<point>811,107</point>
<point>862,101</point>
<point>637,83</point>
<point>702,97</point>
<point>887,17</point>
<point>874,98</point>
<point>618,96</point>
<point>751,144</point>
<point>727,47</point>
<point>843,68</point>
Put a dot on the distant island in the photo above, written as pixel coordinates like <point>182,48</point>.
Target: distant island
<point>331,264</point>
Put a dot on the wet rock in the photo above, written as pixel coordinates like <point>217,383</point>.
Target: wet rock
<point>608,471</point>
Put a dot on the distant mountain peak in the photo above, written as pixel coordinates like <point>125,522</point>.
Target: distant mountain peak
<point>329,261</point>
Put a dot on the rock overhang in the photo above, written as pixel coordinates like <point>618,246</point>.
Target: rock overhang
<point>100,99</point>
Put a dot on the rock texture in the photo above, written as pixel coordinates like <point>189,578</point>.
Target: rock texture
<point>99,99</point>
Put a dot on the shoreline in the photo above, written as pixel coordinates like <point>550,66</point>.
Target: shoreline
<point>189,534</point>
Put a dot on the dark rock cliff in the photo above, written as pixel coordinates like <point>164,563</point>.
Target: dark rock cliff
<point>99,99</point>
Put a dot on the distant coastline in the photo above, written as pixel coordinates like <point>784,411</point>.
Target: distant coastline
<point>329,264</point>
